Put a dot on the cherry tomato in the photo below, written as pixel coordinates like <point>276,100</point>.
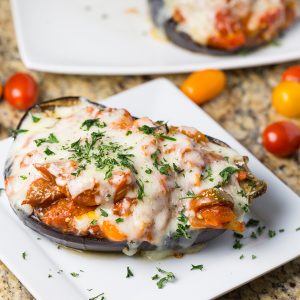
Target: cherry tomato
<point>21,91</point>
<point>204,85</point>
<point>281,138</point>
<point>1,89</point>
<point>292,74</point>
<point>286,99</point>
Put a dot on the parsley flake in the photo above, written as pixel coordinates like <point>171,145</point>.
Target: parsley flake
<point>271,233</point>
<point>129,273</point>
<point>48,152</point>
<point>197,267</point>
<point>119,220</point>
<point>237,244</point>
<point>162,281</point>
<point>182,226</point>
<point>74,274</point>
<point>24,255</point>
<point>35,119</point>
<point>103,213</point>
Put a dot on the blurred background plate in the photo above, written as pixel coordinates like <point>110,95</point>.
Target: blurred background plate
<point>117,37</point>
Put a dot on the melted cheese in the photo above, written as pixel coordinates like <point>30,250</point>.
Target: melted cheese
<point>154,216</point>
<point>199,17</point>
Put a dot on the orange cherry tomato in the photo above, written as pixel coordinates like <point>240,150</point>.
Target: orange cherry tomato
<point>1,89</point>
<point>204,85</point>
<point>21,91</point>
<point>292,74</point>
<point>281,138</point>
<point>112,233</point>
<point>286,99</point>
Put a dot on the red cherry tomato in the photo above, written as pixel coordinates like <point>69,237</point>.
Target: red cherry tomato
<point>281,138</point>
<point>292,74</point>
<point>21,91</point>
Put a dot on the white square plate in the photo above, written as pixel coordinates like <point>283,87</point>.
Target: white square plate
<point>278,208</point>
<point>116,37</point>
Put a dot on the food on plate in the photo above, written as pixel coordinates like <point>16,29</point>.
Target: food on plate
<point>204,85</point>
<point>1,89</point>
<point>286,98</point>
<point>21,91</point>
<point>292,74</point>
<point>281,138</point>
<point>221,26</point>
<point>96,178</point>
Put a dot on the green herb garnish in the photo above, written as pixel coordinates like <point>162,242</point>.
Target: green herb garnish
<point>141,192</point>
<point>87,124</point>
<point>24,255</point>
<point>197,267</point>
<point>162,281</point>
<point>226,174</point>
<point>129,273</point>
<point>237,244</point>
<point>271,233</point>
<point>119,220</point>
<point>35,119</point>
<point>182,226</point>
<point>103,213</point>
<point>74,274</point>
<point>94,222</point>
<point>97,297</point>
<point>48,152</point>
<point>23,177</point>
<point>252,223</point>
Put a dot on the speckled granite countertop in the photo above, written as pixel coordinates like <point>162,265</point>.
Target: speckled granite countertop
<point>243,109</point>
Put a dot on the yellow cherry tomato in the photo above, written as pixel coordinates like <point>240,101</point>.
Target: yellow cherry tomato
<point>111,232</point>
<point>204,85</point>
<point>286,99</point>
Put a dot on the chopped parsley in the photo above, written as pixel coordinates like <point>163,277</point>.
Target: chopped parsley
<point>281,230</point>
<point>119,220</point>
<point>94,222</point>
<point>254,256</point>
<point>24,255</point>
<point>242,193</point>
<point>152,131</point>
<point>237,244</point>
<point>177,169</point>
<point>74,274</point>
<point>51,139</point>
<point>87,124</point>
<point>148,171</point>
<point>252,223</point>
<point>23,177</point>
<point>103,213</point>
<point>207,173</point>
<point>197,267</point>
<point>15,132</point>
<point>189,194</point>
<point>49,276</point>
<point>244,207</point>
<point>166,277</point>
<point>35,119</point>
<point>242,256</point>
<point>298,229</point>
<point>226,174</point>
<point>128,132</point>
<point>271,233</point>
<point>164,169</point>
<point>253,235</point>
<point>238,235</point>
<point>141,192</point>
<point>260,230</point>
<point>226,158</point>
<point>182,226</point>
<point>1,191</point>
<point>48,152</point>
<point>97,297</point>
<point>129,273</point>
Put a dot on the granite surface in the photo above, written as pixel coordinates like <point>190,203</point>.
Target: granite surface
<point>243,109</point>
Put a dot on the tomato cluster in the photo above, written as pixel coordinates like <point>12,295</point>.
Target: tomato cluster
<point>283,138</point>
<point>280,138</point>
<point>20,90</point>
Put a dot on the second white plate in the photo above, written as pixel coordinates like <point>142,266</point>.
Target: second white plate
<point>116,37</point>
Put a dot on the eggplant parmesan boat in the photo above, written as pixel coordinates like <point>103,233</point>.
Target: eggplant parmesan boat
<point>223,26</point>
<point>96,178</point>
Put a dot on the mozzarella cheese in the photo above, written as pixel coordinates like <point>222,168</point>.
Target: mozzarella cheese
<point>161,168</point>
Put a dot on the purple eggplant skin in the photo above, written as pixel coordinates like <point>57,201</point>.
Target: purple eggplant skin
<point>103,245</point>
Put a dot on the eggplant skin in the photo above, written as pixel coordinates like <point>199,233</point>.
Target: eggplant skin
<point>87,243</point>
<point>183,40</point>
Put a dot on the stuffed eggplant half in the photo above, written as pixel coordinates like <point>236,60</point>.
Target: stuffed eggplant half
<point>96,178</point>
<point>223,26</point>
